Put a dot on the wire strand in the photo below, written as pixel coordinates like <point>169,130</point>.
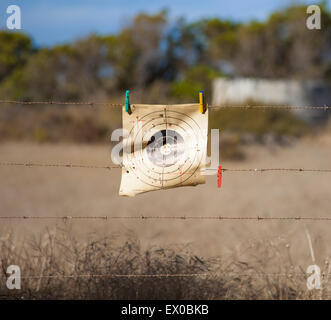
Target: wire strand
<point>109,104</point>
<point>167,275</point>
<point>266,107</point>
<point>55,165</point>
<point>50,102</point>
<point>82,166</point>
<point>142,217</point>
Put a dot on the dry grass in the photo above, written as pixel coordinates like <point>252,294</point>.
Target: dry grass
<point>247,252</point>
<point>58,124</point>
<point>57,253</point>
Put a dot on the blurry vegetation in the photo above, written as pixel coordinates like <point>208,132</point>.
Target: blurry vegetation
<point>258,122</point>
<point>154,49</point>
<point>69,124</point>
<point>15,50</point>
<point>163,61</point>
<point>52,261</point>
<point>195,78</point>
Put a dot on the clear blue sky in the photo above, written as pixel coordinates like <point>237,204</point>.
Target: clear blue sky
<point>52,22</point>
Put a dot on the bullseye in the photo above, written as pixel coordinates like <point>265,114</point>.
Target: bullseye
<point>166,149</point>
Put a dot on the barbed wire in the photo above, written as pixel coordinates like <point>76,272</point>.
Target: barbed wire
<point>169,275</point>
<point>83,166</point>
<point>271,107</point>
<point>142,217</point>
<point>56,165</point>
<point>276,169</point>
<point>220,107</point>
<point>51,102</point>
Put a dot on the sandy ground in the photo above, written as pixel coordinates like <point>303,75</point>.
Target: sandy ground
<point>62,191</point>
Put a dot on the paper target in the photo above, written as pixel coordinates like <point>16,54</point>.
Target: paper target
<point>165,147</point>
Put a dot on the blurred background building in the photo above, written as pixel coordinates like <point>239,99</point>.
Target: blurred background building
<point>274,93</point>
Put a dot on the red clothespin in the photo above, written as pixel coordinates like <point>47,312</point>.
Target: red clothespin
<point>219,175</point>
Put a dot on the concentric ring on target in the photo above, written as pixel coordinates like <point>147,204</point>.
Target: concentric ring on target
<point>170,148</point>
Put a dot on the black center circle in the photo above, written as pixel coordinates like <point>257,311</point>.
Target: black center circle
<point>165,148</point>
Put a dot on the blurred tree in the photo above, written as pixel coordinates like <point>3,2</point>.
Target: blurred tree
<point>284,47</point>
<point>15,49</point>
<point>221,41</point>
<point>196,78</point>
<point>185,47</point>
<point>137,53</point>
<point>122,54</point>
<point>164,58</point>
<point>67,72</point>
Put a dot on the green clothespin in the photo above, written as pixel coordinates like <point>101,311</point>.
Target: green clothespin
<point>127,102</point>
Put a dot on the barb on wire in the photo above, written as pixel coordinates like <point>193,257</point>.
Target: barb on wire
<point>82,166</point>
<point>220,218</point>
